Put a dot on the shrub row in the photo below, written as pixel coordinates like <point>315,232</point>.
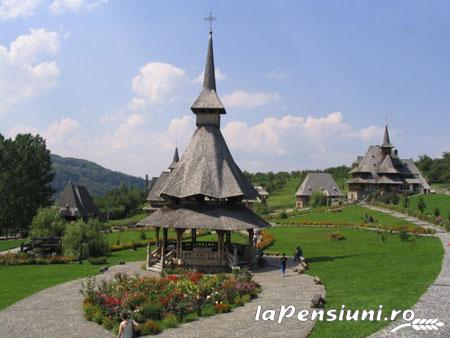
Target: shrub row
<point>23,259</point>
<point>396,228</point>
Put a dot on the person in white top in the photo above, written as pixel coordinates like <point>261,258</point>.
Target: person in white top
<point>127,327</point>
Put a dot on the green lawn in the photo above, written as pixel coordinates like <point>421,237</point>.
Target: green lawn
<point>10,244</point>
<point>351,215</point>
<point>127,221</point>
<point>362,272</point>
<point>18,282</point>
<point>432,201</point>
<point>284,198</point>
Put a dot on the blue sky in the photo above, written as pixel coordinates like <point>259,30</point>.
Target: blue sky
<point>306,84</point>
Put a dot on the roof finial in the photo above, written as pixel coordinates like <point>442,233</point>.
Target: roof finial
<point>210,18</point>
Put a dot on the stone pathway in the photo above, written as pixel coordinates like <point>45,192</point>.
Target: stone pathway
<point>434,303</point>
<point>15,250</point>
<point>56,311</point>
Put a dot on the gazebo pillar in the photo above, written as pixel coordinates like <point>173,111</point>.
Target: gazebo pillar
<point>179,243</point>
<point>157,236</point>
<point>250,245</point>
<point>194,237</point>
<point>165,238</point>
<point>250,238</point>
<point>228,240</point>
<point>220,234</point>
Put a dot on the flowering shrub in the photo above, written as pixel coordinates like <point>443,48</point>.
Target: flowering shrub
<point>267,239</point>
<point>161,303</point>
<point>23,259</point>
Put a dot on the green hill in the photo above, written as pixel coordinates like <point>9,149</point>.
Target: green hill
<point>97,179</point>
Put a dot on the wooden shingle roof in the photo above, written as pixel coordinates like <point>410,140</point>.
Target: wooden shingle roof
<point>322,182</point>
<point>207,216</point>
<point>75,201</point>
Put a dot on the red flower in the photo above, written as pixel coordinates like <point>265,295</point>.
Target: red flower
<point>172,278</point>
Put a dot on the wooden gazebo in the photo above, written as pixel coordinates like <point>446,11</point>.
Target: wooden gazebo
<point>205,190</point>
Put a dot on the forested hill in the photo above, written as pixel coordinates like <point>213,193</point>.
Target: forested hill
<point>97,179</point>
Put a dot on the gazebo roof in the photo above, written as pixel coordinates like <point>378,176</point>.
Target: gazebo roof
<point>207,168</point>
<point>206,216</point>
<point>158,186</point>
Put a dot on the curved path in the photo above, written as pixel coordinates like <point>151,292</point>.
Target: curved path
<point>434,303</point>
<point>56,311</point>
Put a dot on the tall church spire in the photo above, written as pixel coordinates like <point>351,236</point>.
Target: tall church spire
<point>208,106</point>
<point>386,139</point>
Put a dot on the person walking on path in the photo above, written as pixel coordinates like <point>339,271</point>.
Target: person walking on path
<point>283,264</point>
<point>127,327</point>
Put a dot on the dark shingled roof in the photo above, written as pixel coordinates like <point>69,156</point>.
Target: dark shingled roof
<point>386,139</point>
<point>207,168</point>
<point>387,166</point>
<point>322,182</point>
<point>176,159</point>
<point>208,100</point>
<point>75,201</point>
<point>207,216</point>
<point>155,191</point>
<point>379,166</point>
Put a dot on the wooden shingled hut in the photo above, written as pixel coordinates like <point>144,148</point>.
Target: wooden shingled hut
<point>75,202</point>
<point>204,190</point>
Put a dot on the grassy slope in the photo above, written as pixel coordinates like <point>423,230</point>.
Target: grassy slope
<point>362,272</point>
<point>18,282</point>
<point>432,201</point>
<point>10,244</point>
<point>285,198</point>
<point>127,221</point>
<point>350,215</point>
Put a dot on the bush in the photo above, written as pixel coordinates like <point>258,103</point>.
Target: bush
<point>84,240</point>
<point>169,321</point>
<point>283,214</point>
<point>142,234</point>
<point>98,260</point>
<point>222,308</point>
<point>318,199</point>
<point>436,212</point>
<point>47,223</point>
<point>336,236</point>
<point>241,274</point>
<point>207,311</point>
<point>150,327</point>
<point>421,205</point>
<point>404,236</point>
<point>193,316</point>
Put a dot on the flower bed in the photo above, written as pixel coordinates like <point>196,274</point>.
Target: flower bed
<point>157,304</point>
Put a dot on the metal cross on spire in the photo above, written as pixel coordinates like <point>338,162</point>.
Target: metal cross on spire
<point>210,18</point>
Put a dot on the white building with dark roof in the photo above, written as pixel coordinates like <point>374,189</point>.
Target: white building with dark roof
<point>381,169</point>
<point>314,182</point>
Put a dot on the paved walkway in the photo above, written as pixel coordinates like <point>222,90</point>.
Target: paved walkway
<point>15,250</point>
<point>56,311</point>
<point>434,303</point>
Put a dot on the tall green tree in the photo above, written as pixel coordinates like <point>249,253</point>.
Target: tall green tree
<point>25,180</point>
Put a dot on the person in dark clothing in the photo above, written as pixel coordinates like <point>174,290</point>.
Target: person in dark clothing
<point>283,264</point>
<point>298,253</point>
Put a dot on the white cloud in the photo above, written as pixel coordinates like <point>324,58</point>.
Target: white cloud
<point>61,6</point>
<point>276,75</point>
<point>12,9</point>
<point>243,99</point>
<point>157,83</point>
<point>25,68</point>
<point>294,142</point>
<point>60,130</point>
<point>219,76</point>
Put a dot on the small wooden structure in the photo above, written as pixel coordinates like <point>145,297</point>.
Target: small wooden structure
<point>205,189</point>
<point>75,202</point>
<point>317,182</point>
